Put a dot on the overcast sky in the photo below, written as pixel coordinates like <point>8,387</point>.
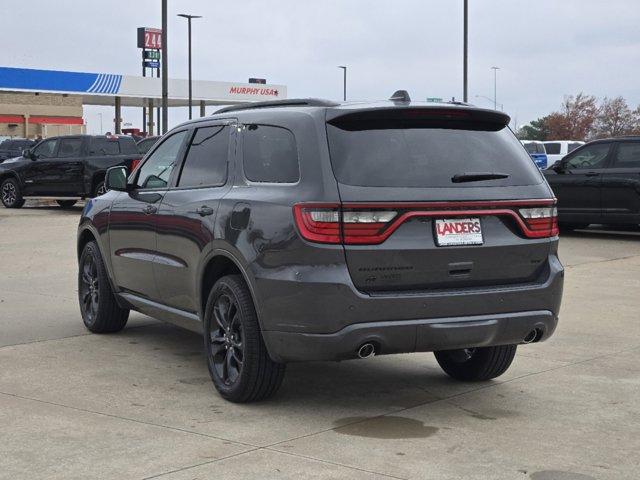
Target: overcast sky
<point>545,48</point>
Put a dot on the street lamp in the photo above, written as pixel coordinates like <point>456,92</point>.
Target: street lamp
<point>165,70</point>
<point>491,100</point>
<point>495,87</point>
<point>189,17</point>
<point>344,91</point>
<point>465,53</point>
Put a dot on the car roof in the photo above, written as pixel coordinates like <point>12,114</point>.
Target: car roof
<point>315,105</point>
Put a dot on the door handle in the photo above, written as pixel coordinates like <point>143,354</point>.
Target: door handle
<point>204,211</point>
<point>592,174</point>
<point>149,209</point>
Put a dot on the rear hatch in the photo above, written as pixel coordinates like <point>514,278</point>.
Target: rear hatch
<point>437,198</point>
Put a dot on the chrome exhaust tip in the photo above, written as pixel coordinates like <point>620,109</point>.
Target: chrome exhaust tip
<point>367,350</point>
<point>532,336</point>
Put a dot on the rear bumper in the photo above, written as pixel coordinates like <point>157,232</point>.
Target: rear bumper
<point>328,319</point>
<point>411,336</point>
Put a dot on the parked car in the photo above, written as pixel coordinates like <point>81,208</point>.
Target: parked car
<point>67,168</point>
<point>598,183</point>
<point>13,147</point>
<point>304,230</point>
<point>145,144</point>
<point>537,152</point>
<point>558,149</point>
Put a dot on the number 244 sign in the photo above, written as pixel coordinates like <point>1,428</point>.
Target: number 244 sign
<point>149,38</point>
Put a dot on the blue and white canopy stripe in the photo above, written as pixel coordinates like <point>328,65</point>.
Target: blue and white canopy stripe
<point>106,83</point>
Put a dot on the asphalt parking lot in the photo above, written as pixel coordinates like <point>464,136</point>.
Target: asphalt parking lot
<point>140,404</point>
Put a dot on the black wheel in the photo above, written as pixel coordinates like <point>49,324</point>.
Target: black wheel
<point>476,364</point>
<point>100,189</point>
<point>237,357</point>
<point>100,311</point>
<point>66,203</point>
<point>10,193</point>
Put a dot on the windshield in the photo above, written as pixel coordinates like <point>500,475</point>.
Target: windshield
<point>419,156</point>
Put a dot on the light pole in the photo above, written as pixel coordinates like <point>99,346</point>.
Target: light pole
<point>465,54</point>
<point>189,17</point>
<point>491,100</point>
<point>344,88</point>
<point>495,87</point>
<point>165,70</point>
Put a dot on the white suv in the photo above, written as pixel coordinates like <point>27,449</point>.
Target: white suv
<point>557,149</point>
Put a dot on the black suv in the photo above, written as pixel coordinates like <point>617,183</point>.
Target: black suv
<point>67,168</point>
<point>309,230</point>
<point>598,183</point>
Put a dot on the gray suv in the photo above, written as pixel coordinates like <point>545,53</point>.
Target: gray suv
<point>303,230</point>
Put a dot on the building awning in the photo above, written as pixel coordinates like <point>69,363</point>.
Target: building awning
<point>134,91</point>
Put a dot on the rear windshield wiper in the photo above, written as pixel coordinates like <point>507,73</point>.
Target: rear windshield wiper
<point>478,176</point>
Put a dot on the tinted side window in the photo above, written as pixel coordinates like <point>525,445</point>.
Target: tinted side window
<point>552,148</point>
<point>591,156</point>
<point>270,155</point>
<point>572,146</point>
<point>46,148</point>
<point>206,161</point>
<point>156,170</point>
<point>104,146</point>
<point>70,147</point>
<point>628,156</point>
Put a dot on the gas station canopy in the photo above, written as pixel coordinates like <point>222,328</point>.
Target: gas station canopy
<point>134,91</point>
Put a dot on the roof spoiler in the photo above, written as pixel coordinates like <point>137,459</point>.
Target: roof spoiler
<point>402,114</point>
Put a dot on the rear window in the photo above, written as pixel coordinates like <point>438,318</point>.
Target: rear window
<point>104,146</point>
<point>552,148</point>
<point>419,155</point>
<point>128,145</point>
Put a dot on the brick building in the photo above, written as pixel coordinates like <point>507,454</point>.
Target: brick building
<point>31,115</point>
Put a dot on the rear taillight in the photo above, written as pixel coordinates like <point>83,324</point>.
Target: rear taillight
<point>328,223</point>
<point>540,221</point>
<point>134,163</point>
<point>371,224</point>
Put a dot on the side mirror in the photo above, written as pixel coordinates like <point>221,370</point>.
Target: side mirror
<point>559,166</point>
<point>116,179</point>
<point>26,153</point>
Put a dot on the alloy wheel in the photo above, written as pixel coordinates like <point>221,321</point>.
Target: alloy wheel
<point>226,347</point>
<point>89,288</point>
<point>9,193</point>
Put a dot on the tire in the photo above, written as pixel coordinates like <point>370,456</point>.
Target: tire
<point>476,364</point>
<point>66,203</point>
<point>10,193</point>
<point>237,357</point>
<point>100,311</point>
<point>99,190</point>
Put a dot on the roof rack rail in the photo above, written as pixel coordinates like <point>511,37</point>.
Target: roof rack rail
<point>292,102</point>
